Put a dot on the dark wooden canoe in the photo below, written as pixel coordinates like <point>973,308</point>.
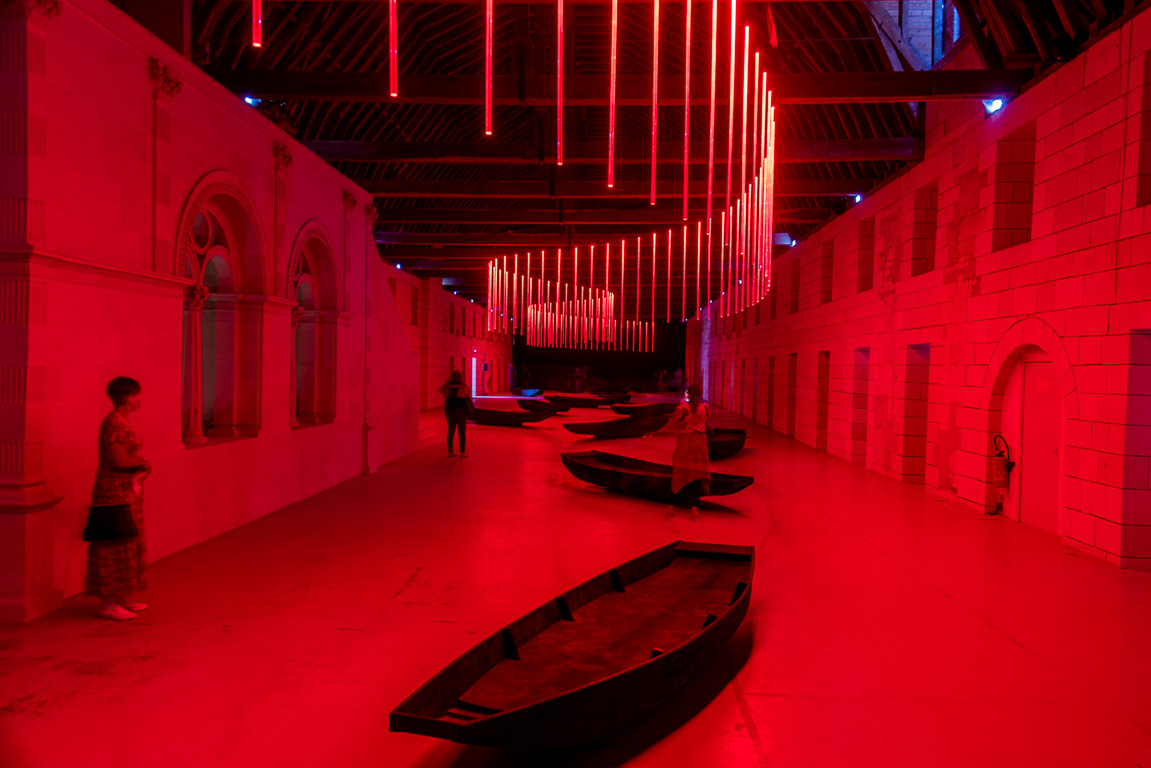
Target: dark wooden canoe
<point>645,478</point>
<point>648,410</point>
<point>492,418</point>
<point>542,406</point>
<point>629,427</point>
<point>593,660</point>
<point>725,443</point>
<point>582,401</point>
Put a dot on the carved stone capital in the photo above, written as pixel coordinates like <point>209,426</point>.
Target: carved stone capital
<point>37,11</point>
<point>371,213</point>
<point>195,296</point>
<point>165,84</point>
<point>282,154</point>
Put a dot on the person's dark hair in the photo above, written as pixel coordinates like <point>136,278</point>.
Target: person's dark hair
<point>121,388</point>
<point>694,396</point>
<point>456,378</point>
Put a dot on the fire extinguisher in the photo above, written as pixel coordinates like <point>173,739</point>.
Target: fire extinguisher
<point>1001,466</point>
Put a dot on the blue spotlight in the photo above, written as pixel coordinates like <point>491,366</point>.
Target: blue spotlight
<point>859,198</point>
<point>398,265</point>
<point>993,105</point>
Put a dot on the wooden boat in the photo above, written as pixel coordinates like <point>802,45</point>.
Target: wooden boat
<point>585,401</point>
<point>592,660</point>
<point>647,410</point>
<point>492,418</point>
<point>629,427</point>
<point>542,406</point>
<point>725,443</point>
<point>529,392</point>
<point>645,478</point>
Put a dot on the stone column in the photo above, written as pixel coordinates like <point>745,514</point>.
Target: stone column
<point>27,526</point>
<point>193,411</point>
<point>165,85</point>
<point>293,406</point>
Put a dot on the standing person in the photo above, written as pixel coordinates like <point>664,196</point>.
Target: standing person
<point>690,460</point>
<point>116,568</point>
<point>457,402</point>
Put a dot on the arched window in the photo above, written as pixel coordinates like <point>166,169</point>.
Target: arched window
<point>312,285</point>
<point>222,318</point>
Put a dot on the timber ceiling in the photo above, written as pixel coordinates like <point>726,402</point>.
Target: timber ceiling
<point>849,77</point>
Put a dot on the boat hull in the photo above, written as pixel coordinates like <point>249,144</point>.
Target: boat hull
<point>629,427</point>
<point>725,443</point>
<point>646,411</point>
<point>646,479</point>
<point>542,406</point>
<point>572,401</point>
<point>710,591</point>
<point>490,418</point>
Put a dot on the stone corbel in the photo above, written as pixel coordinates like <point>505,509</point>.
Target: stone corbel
<point>38,11</point>
<point>283,156</point>
<point>165,84</point>
<point>349,202</point>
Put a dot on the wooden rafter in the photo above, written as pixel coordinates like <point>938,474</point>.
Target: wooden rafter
<point>542,190</point>
<point>646,216</point>
<point>627,153</point>
<point>631,90</point>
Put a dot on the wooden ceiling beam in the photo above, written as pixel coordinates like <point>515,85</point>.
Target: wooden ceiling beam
<point>631,90</point>
<point>543,190</point>
<point>587,217</point>
<point>626,153</point>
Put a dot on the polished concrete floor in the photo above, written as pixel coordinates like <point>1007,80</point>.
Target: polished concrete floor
<point>887,628</point>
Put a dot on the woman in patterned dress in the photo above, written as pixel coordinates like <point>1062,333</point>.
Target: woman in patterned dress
<point>689,463</point>
<point>116,568</point>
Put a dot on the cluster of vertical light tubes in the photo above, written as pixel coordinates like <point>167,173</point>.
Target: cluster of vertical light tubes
<point>555,313</point>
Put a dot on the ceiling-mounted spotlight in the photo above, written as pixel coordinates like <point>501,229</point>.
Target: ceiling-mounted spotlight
<point>252,101</point>
<point>794,243</point>
<point>859,198</point>
<point>398,265</point>
<point>993,105</point>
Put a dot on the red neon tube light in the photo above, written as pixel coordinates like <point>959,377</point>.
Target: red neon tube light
<point>516,293</point>
<point>743,124</point>
<point>559,82</point>
<point>393,50</point>
<point>686,108</point>
<point>683,279</point>
<point>654,98</point>
<point>654,249</point>
<point>611,97</point>
<point>730,108</point>
<point>490,12</point>
<point>711,117</point>
<point>698,245</point>
<point>257,24</point>
<point>668,276</point>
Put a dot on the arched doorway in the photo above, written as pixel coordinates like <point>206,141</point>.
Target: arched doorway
<point>1031,421</point>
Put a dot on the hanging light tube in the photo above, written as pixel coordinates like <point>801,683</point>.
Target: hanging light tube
<point>743,123</point>
<point>257,24</point>
<point>686,107</point>
<point>711,112</point>
<point>606,287</point>
<point>668,318</point>
<point>654,98</point>
<point>611,97</point>
<point>683,278</point>
<point>393,50</point>
<point>698,245</point>
<point>654,249</point>
<point>488,30</point>
<point>559,82</point>
<point>730,107</point>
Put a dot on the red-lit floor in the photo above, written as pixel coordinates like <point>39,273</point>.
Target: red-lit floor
<point>887,628</point>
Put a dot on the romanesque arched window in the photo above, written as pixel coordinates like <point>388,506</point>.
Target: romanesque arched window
<point>312,285</point>
<point>220,253</point>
